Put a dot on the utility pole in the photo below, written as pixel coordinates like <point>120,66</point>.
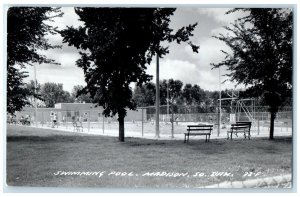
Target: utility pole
<point>157,98</point>
<point>168,99</point>
<point>35,92</point>
<point>220,103</point>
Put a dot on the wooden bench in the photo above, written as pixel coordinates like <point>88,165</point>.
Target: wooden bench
<point>194,130</point>
<point>240,127</point>
<point>77,126</point>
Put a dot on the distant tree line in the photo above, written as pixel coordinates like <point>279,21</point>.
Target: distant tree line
<point>48,94</point>
<point>179,94</point>
<point>192,95</point>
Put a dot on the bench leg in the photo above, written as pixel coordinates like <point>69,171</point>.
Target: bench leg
<point>188,138</point>
<point>184,138</point>
<point>231,135</point>
<point>208,137</point>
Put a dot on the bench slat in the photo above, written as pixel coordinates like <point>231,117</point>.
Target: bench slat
<point>199,125</point>
<point>235,125</point>
<point>197,133</point>
<point>199,129</point>
<point>239,127</point>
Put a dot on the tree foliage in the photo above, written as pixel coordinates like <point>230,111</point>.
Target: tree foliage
<point>144,95</point>
<point>26,31</point>
<point>16,90</point>
<point>261,46</point>
<point>190,96</point>
<point>52,93</point>
<point>194,95</point>
<point>35,94</point>
<point>80,95</point>
<point>174,87</point>
<point>115,45</point>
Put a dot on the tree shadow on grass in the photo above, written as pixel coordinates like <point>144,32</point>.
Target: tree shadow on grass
<point>52,138</point>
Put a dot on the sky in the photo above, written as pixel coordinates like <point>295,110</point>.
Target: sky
<point>181,63</point>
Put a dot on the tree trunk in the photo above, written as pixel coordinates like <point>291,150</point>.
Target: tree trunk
<point>121,127</point>
<point>273,115</point>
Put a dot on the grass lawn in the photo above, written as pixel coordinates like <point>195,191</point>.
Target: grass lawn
<point>35,157</point>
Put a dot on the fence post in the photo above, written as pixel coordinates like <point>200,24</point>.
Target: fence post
<point>219,122</point>
<point>262,118</point>
<point>35,119</point>
<point>66,122</point>
<point>42,119</point>
<point>257,126</point>
<point>172,122</point>
<point>89,114</point>
<point>103,125</point>
<point>142,122</point>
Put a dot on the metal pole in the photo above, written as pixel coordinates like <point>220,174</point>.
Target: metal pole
<point>172,131</point>
<point>43,119</point>
<point>253,115</point>
<point>89,121</point>
<point>168,100</point>
<point>35,92</point>
<point>66,117</point>
<point>157,98</point>
<point>220,103</point>
<point>103,125</point>
<point>142,121</point>
<point>257,127</point>
<point>238,111</point>
<point>262,118</point>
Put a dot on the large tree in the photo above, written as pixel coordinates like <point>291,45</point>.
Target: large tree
<point>261,55</point>
<point>144,95</point>
<point>52,93</point>
<point>26,31</point>
<point>80,95</point>
<point>116,44</point>
<point>194,95</point>
<point>173,88</point>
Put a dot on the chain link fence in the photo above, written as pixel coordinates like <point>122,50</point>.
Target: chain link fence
<point>173,119</point>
